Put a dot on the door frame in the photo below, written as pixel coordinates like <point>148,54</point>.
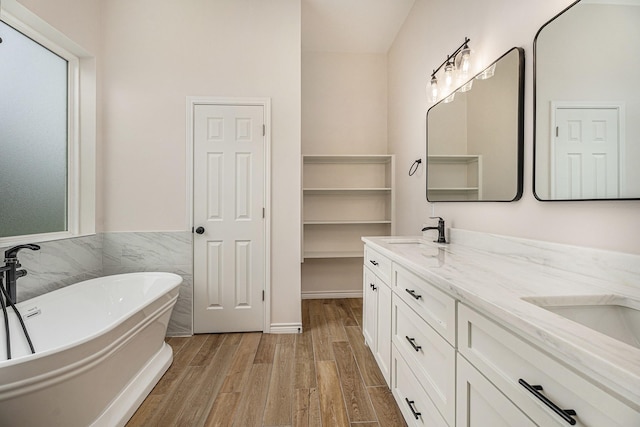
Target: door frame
<point>192,102</point>
<point>619,106</point>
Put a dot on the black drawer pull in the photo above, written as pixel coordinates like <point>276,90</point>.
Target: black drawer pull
<point>412,341</point>
<point>415,413</point>
<point>565,414</point>
<point>373,262</point>
<point>373,286</point>
<point>413,293</point>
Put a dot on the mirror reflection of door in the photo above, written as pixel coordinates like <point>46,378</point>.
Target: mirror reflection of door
<point>582,57</point>
<point>586,152</point>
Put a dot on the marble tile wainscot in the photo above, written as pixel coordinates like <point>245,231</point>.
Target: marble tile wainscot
<point>64,262</point>
<point>59,263</point>
<point>170,252</point>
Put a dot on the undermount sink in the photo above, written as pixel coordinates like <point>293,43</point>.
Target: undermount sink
<point>432,256</point>
<point>613,315</point>
<point>414,243</point>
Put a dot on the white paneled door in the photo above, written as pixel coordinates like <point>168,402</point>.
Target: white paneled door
<point>586,153</point>
<point>228,211</point>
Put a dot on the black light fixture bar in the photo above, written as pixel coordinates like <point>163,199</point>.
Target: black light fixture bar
<point>452,56</point>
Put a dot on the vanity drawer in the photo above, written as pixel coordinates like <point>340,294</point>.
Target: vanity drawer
<point>430,357</point>
<point>434,306</point>
<point>505,359</point>
<point>379,264</point>
<point>414,403</point>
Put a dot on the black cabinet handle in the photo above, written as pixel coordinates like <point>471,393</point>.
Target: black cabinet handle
<point>415,413</point>
<point>565,414</point>
<point>413,293</point>
<point>412,341</point>
<point>373,262</point>
<point>373,286</point>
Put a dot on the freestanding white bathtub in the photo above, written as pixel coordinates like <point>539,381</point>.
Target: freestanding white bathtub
<point>99,351</point>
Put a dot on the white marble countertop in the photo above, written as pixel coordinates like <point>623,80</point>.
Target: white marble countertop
<point>495,284</point>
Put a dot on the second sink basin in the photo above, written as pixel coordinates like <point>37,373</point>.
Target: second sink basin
<point>615,316</point>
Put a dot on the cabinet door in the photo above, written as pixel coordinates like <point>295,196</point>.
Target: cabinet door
<point>383,336</point>
<point>417,408</point>
<point>370,309</point>
<point>480,404</point>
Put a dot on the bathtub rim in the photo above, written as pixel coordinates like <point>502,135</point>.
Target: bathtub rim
<point>47,379</point>
<point>108,328</point>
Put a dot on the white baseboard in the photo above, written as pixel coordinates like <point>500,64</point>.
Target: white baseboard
<point>286,328</point>
<point>331,294</point>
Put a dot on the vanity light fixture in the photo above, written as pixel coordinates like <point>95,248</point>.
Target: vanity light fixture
<point>456,69</point>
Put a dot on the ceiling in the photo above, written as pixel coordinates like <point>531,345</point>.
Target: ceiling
<point>353,26</point>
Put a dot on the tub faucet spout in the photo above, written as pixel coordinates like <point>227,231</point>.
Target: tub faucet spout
<point>11,266</point>
<point>440,228</point>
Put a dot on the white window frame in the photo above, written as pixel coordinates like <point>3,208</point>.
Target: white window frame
<point>81,125</point>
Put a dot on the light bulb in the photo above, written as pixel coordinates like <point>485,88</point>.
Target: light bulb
<point>465,60</point>
<point>448,74</point>
<point>433,89</point>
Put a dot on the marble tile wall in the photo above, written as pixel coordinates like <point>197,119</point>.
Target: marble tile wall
<point>156,251</point>
<point>58,264</point>
<point>64,262</point>
<point>615,267</point>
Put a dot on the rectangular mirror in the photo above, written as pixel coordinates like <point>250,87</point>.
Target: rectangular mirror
<point>475,138</point>
<point>587,101</point>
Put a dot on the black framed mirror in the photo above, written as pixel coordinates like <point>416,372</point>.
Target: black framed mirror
<point>587,103</point>
<point>475,138</point>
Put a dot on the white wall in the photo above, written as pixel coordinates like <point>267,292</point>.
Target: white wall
<point>432,30</point>
<point>344,103</point>
<point>82,25</point>
<point>151,56</point>
<point>157,53</point>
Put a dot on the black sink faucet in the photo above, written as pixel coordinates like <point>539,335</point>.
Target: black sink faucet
<point>11,266</point>
<point>440,229</point>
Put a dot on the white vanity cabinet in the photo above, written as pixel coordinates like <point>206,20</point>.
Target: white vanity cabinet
<point>376,325</point>
<point>522,371</point>
<point>452,362</point>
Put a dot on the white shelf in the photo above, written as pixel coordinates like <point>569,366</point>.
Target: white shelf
<point>354,254</point>
<point>454,189</point>
<point>347,158</point>
<point>345,190</point>
<point>338,222</point>
<point>345,197</point>
<point>454,158</point>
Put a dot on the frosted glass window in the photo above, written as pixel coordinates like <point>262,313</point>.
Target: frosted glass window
<point>33,137</point>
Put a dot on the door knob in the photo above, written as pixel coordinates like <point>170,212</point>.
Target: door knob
<point>200,230</point>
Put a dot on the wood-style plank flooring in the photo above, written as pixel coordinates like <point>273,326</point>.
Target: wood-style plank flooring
<point>325,376</point>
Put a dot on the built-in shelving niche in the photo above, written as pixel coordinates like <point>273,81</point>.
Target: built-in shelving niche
<point>345,197</point>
